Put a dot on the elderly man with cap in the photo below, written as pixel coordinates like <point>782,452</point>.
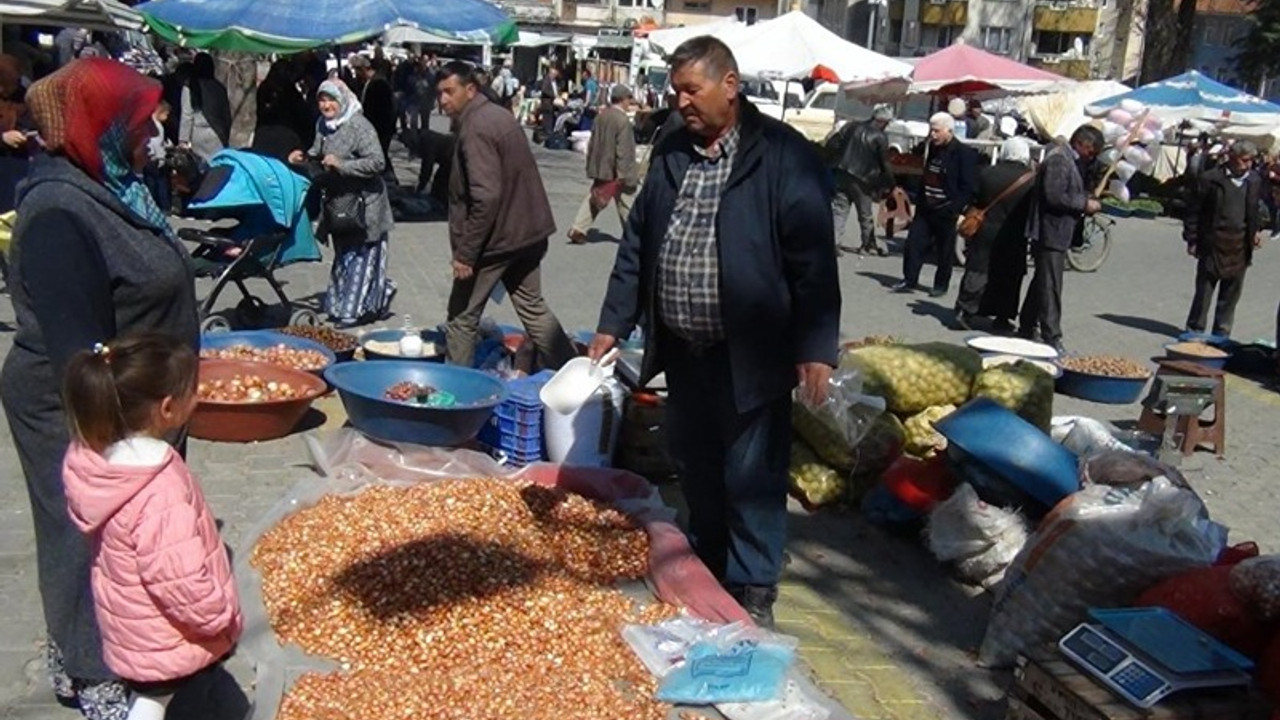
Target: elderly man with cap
<point>611,164</point>
<point>858,154</point>
<point>1222,227</point>
<point>946,189</point>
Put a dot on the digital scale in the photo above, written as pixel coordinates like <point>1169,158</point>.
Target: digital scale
<point>1146,654</point>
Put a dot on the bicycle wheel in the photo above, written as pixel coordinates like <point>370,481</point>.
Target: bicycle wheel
<point>1094,251</point>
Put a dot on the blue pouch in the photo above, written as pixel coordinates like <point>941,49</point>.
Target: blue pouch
<point>737,664</point>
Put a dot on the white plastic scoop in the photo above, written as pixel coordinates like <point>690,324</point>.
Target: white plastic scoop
<point>576,382</point>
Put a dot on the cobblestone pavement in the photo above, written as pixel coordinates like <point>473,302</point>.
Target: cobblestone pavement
<point>881,624</point>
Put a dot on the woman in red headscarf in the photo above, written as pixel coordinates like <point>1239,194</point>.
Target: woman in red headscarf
<point>92,258</point>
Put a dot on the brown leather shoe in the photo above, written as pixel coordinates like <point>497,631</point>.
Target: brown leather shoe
<point>577,238</point>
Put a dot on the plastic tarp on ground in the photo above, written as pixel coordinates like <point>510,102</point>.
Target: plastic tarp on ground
<point>348,462</point>
<point>795,46</point>
<point>1059,114</point>
<point>281,26</point>
<point>1192,96</point>
<point>90,14</point>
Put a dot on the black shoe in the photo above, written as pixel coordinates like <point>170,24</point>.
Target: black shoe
<point>961,321</point>
<point>758,601</point>
<point>878,251</point>
<point>1062,350</point>
<point>1002,327</point>
<point>938,292</point>
<point>904,287</point>
<point>842,249</point>
<point>1032,335</point>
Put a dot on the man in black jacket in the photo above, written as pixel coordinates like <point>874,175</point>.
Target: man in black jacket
<point>548,93</point>
<point>949,183</point>
<point>727,259</point>
<point>1222,227</point>
<point>859,154</point>
<point>378,101</point>
<point>1060,200</point>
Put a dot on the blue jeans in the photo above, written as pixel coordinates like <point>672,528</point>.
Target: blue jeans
<point>734,466</point>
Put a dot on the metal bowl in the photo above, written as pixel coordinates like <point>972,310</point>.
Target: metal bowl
<point>251,421</point>
<point>361,386</point>
<point>1008,460</point>
<point>393,336</point>
<point>266,339</point>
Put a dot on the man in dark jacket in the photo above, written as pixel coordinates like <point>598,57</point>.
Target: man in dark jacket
<point>549,92</point>
<point>859,154</point>
<point>378,101</point>
<point>499,222</point>
<point>1222,227</point>
<point>727,259</point>
<point>1059,202</point>
<point>947,188</point>
<point>611,164</point>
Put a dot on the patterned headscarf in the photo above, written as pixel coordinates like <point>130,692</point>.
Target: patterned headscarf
<point>348,104</point>
<point>94,112</point>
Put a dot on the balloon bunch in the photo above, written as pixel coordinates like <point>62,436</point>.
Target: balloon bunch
<point>1133,137</point>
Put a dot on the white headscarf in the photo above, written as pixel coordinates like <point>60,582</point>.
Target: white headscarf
<point>1016,149</point>
<point>348,104</point>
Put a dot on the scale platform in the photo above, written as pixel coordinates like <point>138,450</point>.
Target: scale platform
<point>1145,654</point>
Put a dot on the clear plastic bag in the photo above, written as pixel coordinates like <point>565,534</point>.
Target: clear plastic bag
<point>735,663</point>
<point>981,539</point>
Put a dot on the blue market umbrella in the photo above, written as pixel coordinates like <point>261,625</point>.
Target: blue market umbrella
<point>281,26</point>
<point>1192,96</point>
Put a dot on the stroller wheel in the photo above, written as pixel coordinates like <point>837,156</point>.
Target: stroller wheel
<point>215,324</point>
<point>306,318</point>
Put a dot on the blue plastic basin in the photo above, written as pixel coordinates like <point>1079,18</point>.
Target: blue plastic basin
<point>1008,460</point>
<point>266,339</point>
<point>362,385</point>
<point>1219,363</point>
<point>1101,388</point>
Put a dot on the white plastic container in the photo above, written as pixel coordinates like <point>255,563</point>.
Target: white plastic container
<point>587,435</point>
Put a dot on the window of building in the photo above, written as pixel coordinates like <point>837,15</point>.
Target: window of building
<point>937,36</point>
<point>895,32</point>
<point>1058,43</point>
<point>997,39</point>
<point>746,14</point>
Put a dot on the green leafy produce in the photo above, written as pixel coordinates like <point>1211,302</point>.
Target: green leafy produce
<point>922,440</point>
<point>912,378</point>
<point>812,482</point>
<point>1021,387</point>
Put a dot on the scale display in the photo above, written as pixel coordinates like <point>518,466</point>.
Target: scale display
<point>1145,654</point>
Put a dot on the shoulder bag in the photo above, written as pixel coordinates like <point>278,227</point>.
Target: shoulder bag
<point>971,221</point>
<point>344,207</point>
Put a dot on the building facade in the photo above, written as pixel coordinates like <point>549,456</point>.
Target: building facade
<point>1081,39</point>
<point>1219,26</point>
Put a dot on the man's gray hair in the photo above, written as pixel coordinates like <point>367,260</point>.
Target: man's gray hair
<point>713,53</point>
<point>882,112</point>
<point>620,92</point>
<point>1242,148</point>
<point>1089,135</point>
<point>1016,149</point>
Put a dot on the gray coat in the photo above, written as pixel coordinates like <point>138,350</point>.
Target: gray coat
<point>355,143</point>
<point>1059,200</point>
<point>611,154</point>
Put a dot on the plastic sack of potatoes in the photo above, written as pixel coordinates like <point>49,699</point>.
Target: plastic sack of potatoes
<point>1099,548</point>
<point>878,448</point>
<point>912,378</point>
<point>833,427</point>
<point>1021,387</point>
<point>1256,581</point>
<point>922,440</point>
<point>812,482</point>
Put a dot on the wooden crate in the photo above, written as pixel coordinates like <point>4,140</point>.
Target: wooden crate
<point>1048,687</point>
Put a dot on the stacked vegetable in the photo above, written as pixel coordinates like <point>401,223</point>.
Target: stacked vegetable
<point>842,448</point>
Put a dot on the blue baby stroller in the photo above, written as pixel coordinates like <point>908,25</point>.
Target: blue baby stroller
<point>273,230</point>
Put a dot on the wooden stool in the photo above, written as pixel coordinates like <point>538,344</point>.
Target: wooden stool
<point>1195,431</point>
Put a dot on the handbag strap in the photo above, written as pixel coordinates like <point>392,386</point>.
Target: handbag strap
<point>1011,189</point>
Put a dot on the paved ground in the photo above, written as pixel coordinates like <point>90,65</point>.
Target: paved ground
<point>881,623</point>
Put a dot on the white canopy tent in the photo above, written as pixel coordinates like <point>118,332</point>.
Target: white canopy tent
<point>1059,114</point>
<point>91,14</point>
<point>406,35</point>
<point>665,41</point>
<point>795,46</point>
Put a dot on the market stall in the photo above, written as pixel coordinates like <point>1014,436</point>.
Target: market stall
<point>88,14</point>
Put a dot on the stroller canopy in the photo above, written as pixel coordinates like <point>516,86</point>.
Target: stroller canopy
<point>265,196</point>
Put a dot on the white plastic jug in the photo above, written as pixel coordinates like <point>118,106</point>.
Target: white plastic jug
<point>587,435</point>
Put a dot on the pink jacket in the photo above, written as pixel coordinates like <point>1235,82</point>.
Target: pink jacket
<point>164,594</point>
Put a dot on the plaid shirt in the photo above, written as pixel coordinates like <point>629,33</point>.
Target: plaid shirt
<point>688,264</point>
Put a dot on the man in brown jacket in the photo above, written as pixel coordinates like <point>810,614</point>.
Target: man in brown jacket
<point>611,164</point>
<point>499,222</point>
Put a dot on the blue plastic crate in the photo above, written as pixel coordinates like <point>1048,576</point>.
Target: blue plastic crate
<point>519,415</point>
<point>516,427</point>
<point>509,443</point>
<point>523,392</point>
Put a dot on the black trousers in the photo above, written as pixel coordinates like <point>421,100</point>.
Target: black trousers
<point>1224,313</point>
<point>734,473</point>
<point>931,230</point>
<point>1042,309</point>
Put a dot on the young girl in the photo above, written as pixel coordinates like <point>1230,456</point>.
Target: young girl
<point>162,587</point>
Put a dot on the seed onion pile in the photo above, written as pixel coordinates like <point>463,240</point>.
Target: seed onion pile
<point>335,340</point>
<point>276,355</point>
<point>409,391</point>
<point>1106,365</point>
<point>248,389</point>
<point>497,595</point>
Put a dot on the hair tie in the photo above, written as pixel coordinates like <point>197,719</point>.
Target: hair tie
<point>102,351</point>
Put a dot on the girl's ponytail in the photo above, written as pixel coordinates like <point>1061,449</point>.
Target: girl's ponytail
<point>111,391</point>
